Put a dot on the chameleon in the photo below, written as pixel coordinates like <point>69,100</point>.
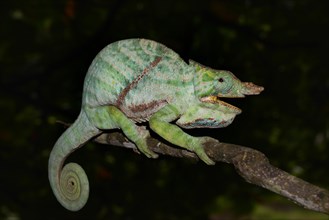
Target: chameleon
<point>139,80</point>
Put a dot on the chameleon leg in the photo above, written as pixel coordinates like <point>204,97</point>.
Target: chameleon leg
<point>160,123</point>
<point>135,133</point>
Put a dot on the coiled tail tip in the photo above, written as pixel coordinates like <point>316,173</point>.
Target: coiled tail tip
<point>73,186</point>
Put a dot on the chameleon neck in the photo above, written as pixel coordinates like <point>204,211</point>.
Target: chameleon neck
<point>70,184</point>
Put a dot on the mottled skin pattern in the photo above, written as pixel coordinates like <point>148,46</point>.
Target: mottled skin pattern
<point>140,80</point>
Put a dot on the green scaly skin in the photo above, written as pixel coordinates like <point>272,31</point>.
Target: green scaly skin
<point>138,80</point>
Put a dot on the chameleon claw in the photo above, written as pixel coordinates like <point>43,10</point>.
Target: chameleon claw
<point>144,149</point>
<point>142,144</point>
<point>150,154</point>
<point>204,157</point>
<point>154,155</point>
<point>199,150</point>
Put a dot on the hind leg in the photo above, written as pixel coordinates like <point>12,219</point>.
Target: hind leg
<point>110,117</point>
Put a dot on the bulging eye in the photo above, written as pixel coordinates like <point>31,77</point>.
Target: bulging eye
<point>223,84</point>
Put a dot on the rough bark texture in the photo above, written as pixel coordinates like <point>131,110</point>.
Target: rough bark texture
<point>251,164</point>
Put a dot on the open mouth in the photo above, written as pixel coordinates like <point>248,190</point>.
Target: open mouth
<point>216,100</point>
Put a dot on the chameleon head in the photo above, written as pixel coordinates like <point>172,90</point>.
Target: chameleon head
<point>220,83</point>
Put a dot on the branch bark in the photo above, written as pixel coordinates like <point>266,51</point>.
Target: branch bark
<point>251,164</point>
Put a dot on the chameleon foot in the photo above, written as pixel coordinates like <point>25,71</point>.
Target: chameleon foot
<point>142,147</point>
<point>198,148</point>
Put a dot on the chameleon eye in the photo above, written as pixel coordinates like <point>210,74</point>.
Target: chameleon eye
<point>221,80</point>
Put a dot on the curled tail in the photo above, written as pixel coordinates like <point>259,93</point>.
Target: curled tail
<point>70,183</point>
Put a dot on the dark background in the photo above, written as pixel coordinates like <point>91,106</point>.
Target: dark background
<point>47,46</point>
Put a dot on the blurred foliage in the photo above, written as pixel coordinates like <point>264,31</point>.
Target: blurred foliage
<point>47,46</point>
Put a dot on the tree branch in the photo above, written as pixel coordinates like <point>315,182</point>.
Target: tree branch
<point>251,164</point>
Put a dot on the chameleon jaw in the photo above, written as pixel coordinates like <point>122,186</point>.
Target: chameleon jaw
<point>216,100</point>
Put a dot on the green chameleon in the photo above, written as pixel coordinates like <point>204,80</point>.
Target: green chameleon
<point>139,80</point>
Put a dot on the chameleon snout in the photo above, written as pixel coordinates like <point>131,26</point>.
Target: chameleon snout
<point>249,88</point>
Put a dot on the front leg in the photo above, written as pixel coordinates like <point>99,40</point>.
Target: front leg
<point>160,123</point>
